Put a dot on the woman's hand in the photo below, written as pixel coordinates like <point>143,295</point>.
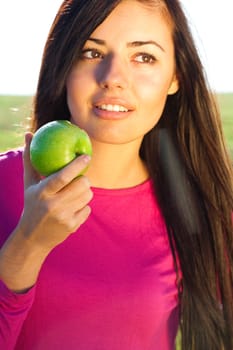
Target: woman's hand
<point>54,207</point>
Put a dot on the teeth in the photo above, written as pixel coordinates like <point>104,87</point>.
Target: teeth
<point>113,108</point>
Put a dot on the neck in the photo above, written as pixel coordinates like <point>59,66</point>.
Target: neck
<point>116,166</point>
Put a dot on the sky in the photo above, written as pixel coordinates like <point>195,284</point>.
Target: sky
<point>24,25</point>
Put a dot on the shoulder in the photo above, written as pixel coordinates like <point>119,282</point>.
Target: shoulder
<point>11,160</point>
<point>11,171</point>
<point>11,191</point>
<point>11,155</point>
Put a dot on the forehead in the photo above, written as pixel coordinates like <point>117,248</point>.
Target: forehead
<point>137,20</point>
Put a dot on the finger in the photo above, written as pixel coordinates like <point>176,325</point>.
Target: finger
<point>76,187</point>
<point>78,218</point>
<point>76,195</point>
<point>31,177</point>
<point>56,182</point>
<point>82,216</point>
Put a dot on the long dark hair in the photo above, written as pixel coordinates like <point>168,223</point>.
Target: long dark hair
<point>187,160</point>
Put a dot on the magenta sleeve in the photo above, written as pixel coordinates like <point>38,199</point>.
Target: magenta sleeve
<point>13,311</point>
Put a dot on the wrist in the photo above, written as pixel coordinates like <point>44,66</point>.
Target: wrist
<point>20,263</point>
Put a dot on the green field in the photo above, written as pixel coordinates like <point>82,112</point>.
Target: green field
<point>15,114</point>
<point>14,119</point>
<point>226,107</point>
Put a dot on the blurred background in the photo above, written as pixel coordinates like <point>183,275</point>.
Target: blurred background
<point>24,26</point>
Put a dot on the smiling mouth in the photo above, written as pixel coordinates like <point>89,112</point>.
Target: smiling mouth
<point>112,108</point>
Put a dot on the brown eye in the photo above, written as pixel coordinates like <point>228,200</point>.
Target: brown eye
<point>145,58</point>
<point>91,54</point>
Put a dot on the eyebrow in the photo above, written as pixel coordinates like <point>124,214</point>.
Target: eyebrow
<point>137,43</point>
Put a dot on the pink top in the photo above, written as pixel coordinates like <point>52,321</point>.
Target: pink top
<point>109,286</point>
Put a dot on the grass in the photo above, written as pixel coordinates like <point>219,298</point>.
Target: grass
<point>226,106</point>
<point>15,114</point>
<point>14,119</point>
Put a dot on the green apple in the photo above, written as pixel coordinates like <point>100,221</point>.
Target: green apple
<point>56,144</point>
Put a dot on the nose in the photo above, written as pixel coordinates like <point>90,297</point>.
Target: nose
<point>113,74</point>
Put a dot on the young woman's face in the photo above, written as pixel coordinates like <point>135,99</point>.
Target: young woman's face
<point>118,88</point>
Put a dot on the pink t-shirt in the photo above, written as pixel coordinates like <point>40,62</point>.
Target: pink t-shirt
<point>110,286</point>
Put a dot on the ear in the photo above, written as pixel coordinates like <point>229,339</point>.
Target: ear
<point>174,87</point>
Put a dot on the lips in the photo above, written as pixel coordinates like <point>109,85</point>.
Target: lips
<point>112,108</point>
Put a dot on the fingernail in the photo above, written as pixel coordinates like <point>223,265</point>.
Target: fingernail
<point>86,158</point>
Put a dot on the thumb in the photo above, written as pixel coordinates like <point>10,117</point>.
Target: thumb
<point>31,177</point>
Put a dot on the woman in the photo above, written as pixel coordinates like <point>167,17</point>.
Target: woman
<point>151,248</point>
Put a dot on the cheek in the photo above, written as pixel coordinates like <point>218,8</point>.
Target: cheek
<point>154,83</point>
<point>75,84</point>
<point>153,94</point>
<point>76,87</point>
